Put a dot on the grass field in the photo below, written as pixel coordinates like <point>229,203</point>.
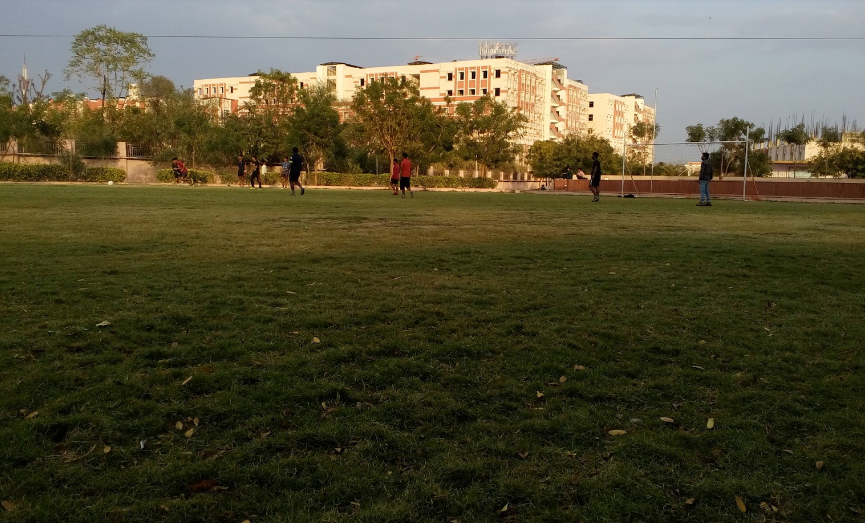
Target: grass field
<point>349,356</point>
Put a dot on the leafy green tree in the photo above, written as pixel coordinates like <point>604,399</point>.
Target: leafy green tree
<point>385,115</point>
<point>5,86</point>
<point>546,159</point>
<point>795,135</point>
<point>271,102</point>
<point>109,59</point>
<point>313,124</point>
<point>486,131</point>
<point>641,134</point>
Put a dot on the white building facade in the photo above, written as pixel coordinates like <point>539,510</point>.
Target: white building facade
<point>611,116</point>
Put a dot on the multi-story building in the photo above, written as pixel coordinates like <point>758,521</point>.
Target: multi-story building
<point>611,116</point>
<point>554,104</point>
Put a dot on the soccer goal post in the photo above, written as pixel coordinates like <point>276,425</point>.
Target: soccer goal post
<point>682,159</point>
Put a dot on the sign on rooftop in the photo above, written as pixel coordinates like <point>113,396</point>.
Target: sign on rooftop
<point>497,50</point>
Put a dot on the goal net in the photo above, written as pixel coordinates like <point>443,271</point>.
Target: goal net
<point>654,161</point>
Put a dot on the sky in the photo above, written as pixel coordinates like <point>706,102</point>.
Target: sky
<point>697,81</point>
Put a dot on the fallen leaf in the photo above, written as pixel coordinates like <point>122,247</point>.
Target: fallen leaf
<point>164,508</point>
<point>195,422</point>
<point>523,455</point>
<point>710,424</point>
<point>539,394</point>
<point>788,451</point>
<point>505,508</point>
<point>105,323</point>
<point>819,465</point>
<point>316,340</point>
<point>189,433</point>
<point>706,459</point>
<point>187,380</point>
<point>290,292</point>
<point>667,420</point>
<point>203,486</point>
<point>179,425</point>
<point>32,414</point>
<point>617,432</point>
<point>9,506</point>
<point>142,443</point>
<point>579,367</point>
<point>741,505</point>
<point>246,521</point>
<point>697,367</point>
<point>265,434</point>
<point>563,379</point>
<point>338,450</point>
<point>703,342</point>
<point>106,450</point>
<point>689,502</point>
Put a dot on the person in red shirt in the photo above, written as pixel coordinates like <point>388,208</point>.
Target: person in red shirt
<point>394,176</point>
<point>405,175</point>
<point>180,171</point>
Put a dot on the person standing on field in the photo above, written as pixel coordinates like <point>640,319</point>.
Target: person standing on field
<point>256,173</point>
<point>595,181</point>
<point>241,171</point>
<point>405,175</point>
<point>705,178</point>
<point>394,176</point>
<point>283,177</point>
<point>295,165</point>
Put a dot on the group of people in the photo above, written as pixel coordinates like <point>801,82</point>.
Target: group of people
<point>400,176</point>
<point>289,176</point>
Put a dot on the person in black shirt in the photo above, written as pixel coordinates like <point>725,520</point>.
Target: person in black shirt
<point>295,163</point>
<point>595,181</point>
<point>256,173</point>
<point>241,171</point>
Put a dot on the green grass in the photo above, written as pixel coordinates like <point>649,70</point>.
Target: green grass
<point>439,319</point>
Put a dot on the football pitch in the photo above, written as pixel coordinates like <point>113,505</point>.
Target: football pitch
<point>187,354</point>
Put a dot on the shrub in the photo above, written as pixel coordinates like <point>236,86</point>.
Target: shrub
<point>353,180</point>
<point>424,182</point>
<point>195,175</point>
<point>14,172</point>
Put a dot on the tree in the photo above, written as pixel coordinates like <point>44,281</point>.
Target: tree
<point>486,130</point>
<point>313,124</point>
<point>641,134</point>
<point>729,157</point>
<point>795,135</point>
<point>271,101</point>
<point>548,158</point>
<point>545,158</point>
<point>111,59</point>
<point>385,112</point>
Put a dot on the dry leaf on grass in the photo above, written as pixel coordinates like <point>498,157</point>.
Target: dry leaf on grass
<point>106,450</point>
<point>179,425</point>
<point>741,505</point>
<point>316,340</point>
<point>710,424</point>
<point>617,432</point>
<point>819,465</point>
<point>105,323</point>
<point>563,379</point>
<point>523,455</point>
<point>32,414</point>
<point>539,394</point>
<point>667,420</point>
<point>689,502</point>
<point>264,434</point>
<point>579,367</point>
<point>9,506</point>
<point>697,367</point>
<point>187,380</point>
<point>195,422</point>
<point>189,433</point>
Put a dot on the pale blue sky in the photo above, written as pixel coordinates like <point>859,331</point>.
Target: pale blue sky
<point>697,81</point>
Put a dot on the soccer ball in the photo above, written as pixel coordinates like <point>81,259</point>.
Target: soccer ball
<point>110,182</point>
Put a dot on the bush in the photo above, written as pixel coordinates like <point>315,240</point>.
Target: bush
<point>14,172</point>
<point>424,182</point>
<point>195,176</point>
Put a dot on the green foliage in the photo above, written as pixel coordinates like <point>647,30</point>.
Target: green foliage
<point>111,59</point>
<point>668,169</point>
<point>839,162</point>
<point>193,175</point>
<point>63,172</point>
<point>486,130</point>
<point>795,135</point>
<point>549,158</point>
<point>313,125</point>
<point>424,182</point>
<point>759,164</point>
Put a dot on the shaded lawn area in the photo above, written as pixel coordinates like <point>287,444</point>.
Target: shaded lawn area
<point>349,356</point>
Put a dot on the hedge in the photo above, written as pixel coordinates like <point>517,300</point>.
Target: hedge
<point>16,172</point>
<point>423,181</point>
<point>195,175</point>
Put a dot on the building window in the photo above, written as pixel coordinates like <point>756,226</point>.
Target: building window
<point>231,89</point>
<point>472,91</point>
<point>462,75</point>
<point>221,90</point>
<point>450,77</point>
<point>301,85</point>
<point>498,91</point>
<point>450,92</point>
<point>474,74</point>
<point>483,91</point>
<point>362,82</point>
<point>591,104</point>
<point>460,92</point>
<point>199,91</point>
<point>591,118</point>
<point>498,73</point>
<point>485,74</point>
